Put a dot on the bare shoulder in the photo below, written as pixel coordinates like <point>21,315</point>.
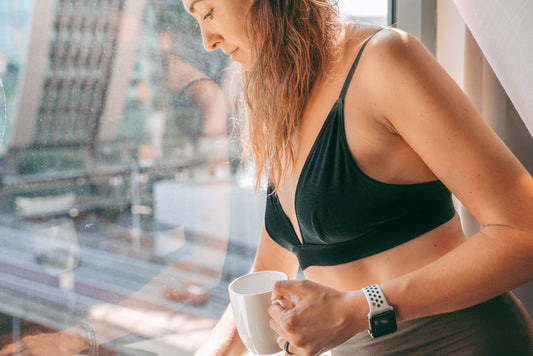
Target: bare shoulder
<point>355,35</point>
<point>395,44</point>
<point>392,50</point>
<point>389,53</point>
<point>397,69</point>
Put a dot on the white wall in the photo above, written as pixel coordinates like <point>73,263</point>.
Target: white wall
<point>503,31</point>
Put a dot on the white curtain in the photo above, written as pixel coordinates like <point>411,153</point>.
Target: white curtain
<point>503,31</point>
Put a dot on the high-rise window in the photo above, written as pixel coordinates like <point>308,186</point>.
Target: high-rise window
<point>122,195</point>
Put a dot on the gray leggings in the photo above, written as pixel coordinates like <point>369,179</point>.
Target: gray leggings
<point>497,327</point>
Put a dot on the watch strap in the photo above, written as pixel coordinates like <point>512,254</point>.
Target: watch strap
<point>376,300</point>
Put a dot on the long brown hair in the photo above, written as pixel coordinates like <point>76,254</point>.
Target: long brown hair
<point>293,40</point>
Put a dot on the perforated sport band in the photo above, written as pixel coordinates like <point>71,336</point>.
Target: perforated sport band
<point>376,300</point>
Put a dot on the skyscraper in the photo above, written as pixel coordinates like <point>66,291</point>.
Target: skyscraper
<point>76,73</point>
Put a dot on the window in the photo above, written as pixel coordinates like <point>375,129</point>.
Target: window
<point>375,12</point>
<point>117,199</point>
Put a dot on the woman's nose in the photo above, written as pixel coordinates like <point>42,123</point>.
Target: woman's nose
<point>211,40</point>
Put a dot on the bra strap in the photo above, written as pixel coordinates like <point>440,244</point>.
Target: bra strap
<point>354,65</point>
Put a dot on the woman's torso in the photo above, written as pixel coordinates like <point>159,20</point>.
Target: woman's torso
<point>380,154</point>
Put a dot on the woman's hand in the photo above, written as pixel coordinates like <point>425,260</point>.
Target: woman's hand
<point>48,344</point>
<point>321,318</point>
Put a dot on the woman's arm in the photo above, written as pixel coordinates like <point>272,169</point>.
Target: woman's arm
<point>224,339</point>
<point>434,116</point>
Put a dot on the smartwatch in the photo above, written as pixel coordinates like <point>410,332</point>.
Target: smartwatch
<point>382,317</point>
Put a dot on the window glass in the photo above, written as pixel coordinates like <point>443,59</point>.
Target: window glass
<point>122,195</point>
<point>375,11</point>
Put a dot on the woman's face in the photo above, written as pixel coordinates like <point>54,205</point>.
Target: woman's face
<point>222,25</point>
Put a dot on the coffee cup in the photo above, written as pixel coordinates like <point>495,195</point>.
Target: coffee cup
<point>250,298</point>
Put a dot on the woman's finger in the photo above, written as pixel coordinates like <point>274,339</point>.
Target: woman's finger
<point>288,348</point>
<point>277,328</point>
<point>281,341</point>
<point>279,314</point>
<point>289,288</point>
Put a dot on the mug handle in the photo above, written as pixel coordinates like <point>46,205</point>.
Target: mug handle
<point>284,302</point>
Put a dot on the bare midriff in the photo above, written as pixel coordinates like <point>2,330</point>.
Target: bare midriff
<point>392,263</point>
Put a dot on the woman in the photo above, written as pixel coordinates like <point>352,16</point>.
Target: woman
<point>363,136</point>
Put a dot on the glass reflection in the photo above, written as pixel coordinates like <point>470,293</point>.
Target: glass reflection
<point>122,195</point>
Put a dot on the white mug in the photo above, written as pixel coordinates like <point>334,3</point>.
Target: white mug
<point>250,299</point>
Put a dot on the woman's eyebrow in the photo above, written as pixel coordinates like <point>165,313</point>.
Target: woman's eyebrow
<point>191,7</point>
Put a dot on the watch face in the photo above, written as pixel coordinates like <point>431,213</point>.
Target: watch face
<point>383,324</point>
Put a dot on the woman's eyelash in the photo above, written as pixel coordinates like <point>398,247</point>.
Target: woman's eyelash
<point>208,15</point>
